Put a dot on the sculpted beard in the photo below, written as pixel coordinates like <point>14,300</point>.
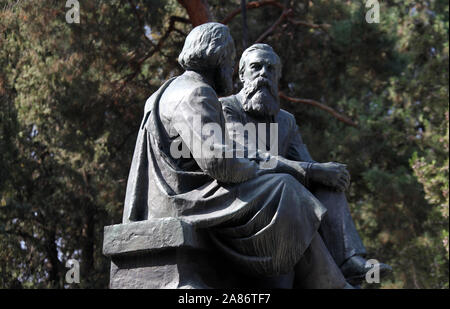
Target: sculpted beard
<point>261,98</point>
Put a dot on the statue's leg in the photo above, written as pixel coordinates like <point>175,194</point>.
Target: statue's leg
<point>317,269</point>
<point>338,229</point>
<point>271,237</point>
<point>342,239</point>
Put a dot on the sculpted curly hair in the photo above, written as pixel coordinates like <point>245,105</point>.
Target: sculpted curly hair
<point>206,46</point>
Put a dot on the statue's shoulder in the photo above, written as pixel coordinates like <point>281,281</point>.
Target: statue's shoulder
<point>285,117</point>
<point>157,95</point>
<point>230,103</point>
<point>186,89</point>
<point>195,85</point>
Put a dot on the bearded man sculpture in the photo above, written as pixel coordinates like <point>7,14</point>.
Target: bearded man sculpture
<point>259,216</point>
<point>258,103</point>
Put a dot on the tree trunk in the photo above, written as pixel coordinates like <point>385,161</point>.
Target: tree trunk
<point>53,261</point>
<point>88,243</point>
<point>198,11</point>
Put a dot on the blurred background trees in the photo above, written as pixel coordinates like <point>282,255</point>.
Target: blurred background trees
<point>72,97</point>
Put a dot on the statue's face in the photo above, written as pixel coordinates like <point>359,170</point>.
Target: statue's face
<point>260,64</point>
<point>260,84</point>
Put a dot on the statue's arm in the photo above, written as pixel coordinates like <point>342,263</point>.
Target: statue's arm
<point>331,174</point>
<point>268,163</point>
<point>200,110</point>
<point>298,151</point>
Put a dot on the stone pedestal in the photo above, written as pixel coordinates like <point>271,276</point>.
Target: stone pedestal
<point>168,253</point>
<point>158,253</point>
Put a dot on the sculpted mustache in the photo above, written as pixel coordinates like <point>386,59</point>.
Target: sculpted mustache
<point>258,84</point>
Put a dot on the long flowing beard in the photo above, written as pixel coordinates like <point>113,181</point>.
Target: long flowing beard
<point>261,98</point>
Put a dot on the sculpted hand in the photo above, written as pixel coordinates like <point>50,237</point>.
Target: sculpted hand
<point>331,174</point>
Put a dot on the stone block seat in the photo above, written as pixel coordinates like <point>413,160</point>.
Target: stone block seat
<point>169,253</point>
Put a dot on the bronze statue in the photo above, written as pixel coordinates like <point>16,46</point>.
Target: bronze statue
<point>258,103</point>
<point>259,216</point>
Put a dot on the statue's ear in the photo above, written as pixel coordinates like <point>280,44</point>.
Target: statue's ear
<point>241,76</point>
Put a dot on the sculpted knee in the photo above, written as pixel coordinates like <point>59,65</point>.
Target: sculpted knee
<point>286,179</point>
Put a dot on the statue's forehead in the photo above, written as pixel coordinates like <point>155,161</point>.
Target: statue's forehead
<point>259,56</point>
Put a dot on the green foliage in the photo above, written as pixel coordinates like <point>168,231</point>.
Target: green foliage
<point>72,97</point>
<point>69,118</point>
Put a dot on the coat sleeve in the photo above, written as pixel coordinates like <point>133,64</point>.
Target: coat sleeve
<point>199,120</point>
<point>234,117</point>
<point>297,150</point>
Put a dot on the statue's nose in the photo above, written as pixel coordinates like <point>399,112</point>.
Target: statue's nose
<point>263,72</point>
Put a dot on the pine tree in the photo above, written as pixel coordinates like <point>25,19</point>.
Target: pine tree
<point>72,97</point>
